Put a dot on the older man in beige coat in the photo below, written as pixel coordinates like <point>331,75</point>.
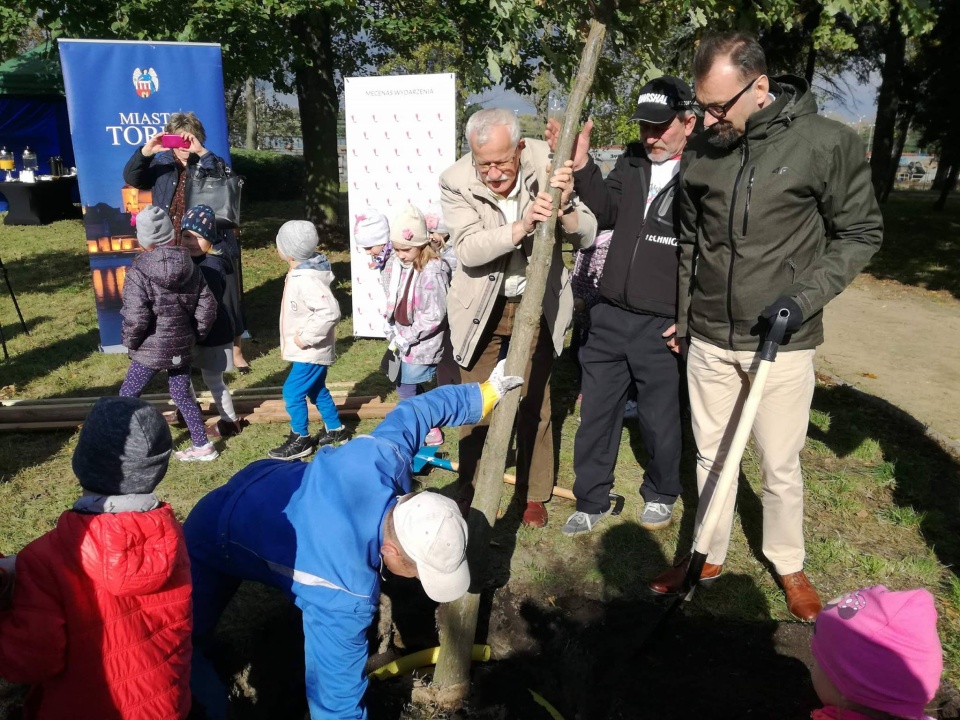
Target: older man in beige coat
<point>493,199</point>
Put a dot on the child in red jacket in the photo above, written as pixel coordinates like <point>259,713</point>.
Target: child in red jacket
<point>100,620</point>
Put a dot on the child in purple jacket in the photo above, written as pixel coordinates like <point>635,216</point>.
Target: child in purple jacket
<point>416,285</point>
<point>166,307</point>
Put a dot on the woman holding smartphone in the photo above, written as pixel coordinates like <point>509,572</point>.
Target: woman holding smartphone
<point>162,166</point>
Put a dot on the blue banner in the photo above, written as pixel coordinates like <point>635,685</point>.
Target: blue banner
<point>119,95</point>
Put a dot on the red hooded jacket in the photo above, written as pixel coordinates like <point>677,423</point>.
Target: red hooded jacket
<point>101,619</point>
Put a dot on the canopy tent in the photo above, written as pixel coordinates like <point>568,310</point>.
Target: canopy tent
<point>35,73</point>
<point>33,111</point>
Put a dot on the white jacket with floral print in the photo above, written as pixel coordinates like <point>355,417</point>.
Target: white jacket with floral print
<point>426,307</point>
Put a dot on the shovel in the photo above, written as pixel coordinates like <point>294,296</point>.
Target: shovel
<point>428,456</point>
<point>731,467</point>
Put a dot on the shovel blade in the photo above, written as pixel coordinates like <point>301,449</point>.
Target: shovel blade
<point>424,457</point>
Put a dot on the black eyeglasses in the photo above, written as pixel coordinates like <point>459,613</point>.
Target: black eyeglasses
<point>720,110</point>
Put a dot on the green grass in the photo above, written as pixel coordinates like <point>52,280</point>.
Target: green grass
<point>881,498</point>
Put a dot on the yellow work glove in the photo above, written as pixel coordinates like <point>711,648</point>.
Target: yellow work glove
<point>496,386</point>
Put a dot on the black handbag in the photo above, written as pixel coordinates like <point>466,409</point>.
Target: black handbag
<point>221,193</point>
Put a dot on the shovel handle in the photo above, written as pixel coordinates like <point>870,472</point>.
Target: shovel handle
<point>775,334</point>
<point>512,480</point>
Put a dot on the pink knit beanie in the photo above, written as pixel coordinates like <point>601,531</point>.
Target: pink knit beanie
<point>881,650</point>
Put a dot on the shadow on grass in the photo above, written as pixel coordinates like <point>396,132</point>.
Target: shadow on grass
<point>14,329</point>
<point>28,449</point>
<point>924,476</point>
<point>24,367</point>
<point>921,247</point>
<point>47,272</point>
<point>589,658</point>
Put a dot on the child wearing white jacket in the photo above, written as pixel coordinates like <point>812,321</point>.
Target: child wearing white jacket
<point>309,314</point>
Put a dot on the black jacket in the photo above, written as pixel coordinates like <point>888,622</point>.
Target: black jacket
<point>160,173</point>
<point>215,269</point>
<point>640,272</point>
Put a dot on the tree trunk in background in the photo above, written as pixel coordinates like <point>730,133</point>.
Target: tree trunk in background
<point>943,170</point>
<point>811,64</point>
<point>318,102</point>
<point>903,128</point>
<point>250,101</point>
<point>234,100</point>
<point>950,182</point>
<point>461,118</point>
<point>894,56</point>
<point>458,620</point>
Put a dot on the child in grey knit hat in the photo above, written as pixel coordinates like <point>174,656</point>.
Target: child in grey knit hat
<point>101,608</point>
<point>308,319</point>
<point>166,307</point>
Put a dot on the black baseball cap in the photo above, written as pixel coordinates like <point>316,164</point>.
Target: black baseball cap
<point>661,99</point>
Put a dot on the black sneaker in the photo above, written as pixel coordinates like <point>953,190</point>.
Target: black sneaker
<point>332,437</point>
<point>295,446</point>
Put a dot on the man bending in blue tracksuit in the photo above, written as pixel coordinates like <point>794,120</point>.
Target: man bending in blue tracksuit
<point>322,531</point>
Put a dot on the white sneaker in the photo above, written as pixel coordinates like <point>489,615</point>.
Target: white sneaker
<point>204,453</point>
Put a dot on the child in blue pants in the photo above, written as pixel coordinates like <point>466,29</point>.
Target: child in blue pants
<point>309,314</point>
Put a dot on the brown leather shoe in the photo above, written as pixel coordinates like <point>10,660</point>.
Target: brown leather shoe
<point>670,582</point>
<point>802,599</point>
<point>535,515</point>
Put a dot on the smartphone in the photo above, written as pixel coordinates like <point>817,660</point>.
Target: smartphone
<point>173,141</point>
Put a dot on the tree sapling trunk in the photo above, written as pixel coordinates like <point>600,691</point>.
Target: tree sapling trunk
<point>458,620</point>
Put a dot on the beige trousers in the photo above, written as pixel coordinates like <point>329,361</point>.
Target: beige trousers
<point>719,381</point>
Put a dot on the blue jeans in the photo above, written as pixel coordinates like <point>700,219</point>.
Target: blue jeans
<point>308,381</point>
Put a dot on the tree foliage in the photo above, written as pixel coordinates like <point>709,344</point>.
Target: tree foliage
<point>308,47</point>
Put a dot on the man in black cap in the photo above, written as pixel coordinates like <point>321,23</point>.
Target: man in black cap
<point>631,327</point>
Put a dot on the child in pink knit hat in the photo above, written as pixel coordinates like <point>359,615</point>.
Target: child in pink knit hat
<point>876,655</point>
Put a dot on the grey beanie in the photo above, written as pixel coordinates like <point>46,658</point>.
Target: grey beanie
<point>298,239</point>
<point>154,227</point>
<point>124,447</point>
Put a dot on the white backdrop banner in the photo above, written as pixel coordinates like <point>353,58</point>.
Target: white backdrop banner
<point>401,134</point>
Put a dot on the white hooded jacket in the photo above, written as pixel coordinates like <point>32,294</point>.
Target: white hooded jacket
<point>309,311</point>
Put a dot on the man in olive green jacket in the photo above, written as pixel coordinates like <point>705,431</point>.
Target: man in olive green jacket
<point>493,198</point>
<point>777,212</point>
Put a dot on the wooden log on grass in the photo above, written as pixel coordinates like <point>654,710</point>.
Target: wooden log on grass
<point>337,389</point>
<point>365,412</point>
<point>243,405</point>
<point>54,418</point>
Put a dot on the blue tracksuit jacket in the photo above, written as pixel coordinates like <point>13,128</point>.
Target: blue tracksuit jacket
<point>315,530</point>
